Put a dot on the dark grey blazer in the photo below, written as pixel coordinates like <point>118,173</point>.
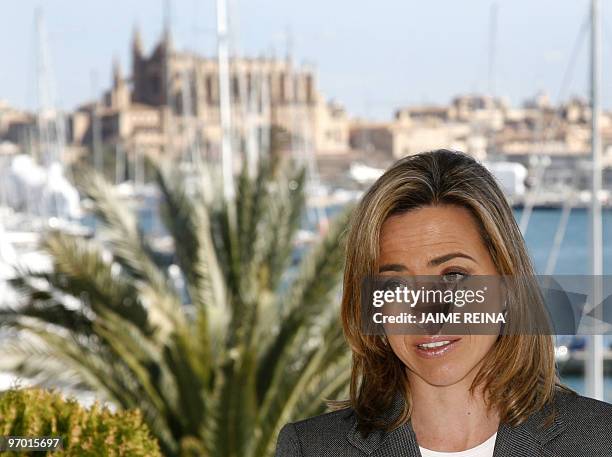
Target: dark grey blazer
<point>582,428</point>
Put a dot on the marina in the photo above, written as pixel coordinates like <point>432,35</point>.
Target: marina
<point>173,241</point>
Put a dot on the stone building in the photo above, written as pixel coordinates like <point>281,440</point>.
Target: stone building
<point>486,126</point>
<point>15,125</point>
<point>170,103</point>
<point>463,124</point>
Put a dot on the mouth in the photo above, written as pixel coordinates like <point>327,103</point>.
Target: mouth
<point>436,348</point>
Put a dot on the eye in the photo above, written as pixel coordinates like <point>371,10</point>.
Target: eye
<point>453,277</point>
<point>393,284</point>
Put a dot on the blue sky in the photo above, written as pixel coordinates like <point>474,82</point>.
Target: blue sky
<point>371,56</point>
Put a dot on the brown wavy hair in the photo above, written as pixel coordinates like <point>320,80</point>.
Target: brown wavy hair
<point>518,374</point>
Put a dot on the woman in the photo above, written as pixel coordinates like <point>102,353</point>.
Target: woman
<point>441,213</point>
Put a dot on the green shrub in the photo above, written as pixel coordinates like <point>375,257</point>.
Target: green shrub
<point>93,432</point>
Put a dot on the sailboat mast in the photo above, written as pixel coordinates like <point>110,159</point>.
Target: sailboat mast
<point>98,160</point>
<point>225,101</point>
<point>594,361</point>
<point>42,90</point>
<point>492,48</point>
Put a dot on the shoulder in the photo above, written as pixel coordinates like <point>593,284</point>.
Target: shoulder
<point>321,435</point>
<point>586,425</point>
<point>578,408</point>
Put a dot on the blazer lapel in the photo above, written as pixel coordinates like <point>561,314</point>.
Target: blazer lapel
<point>398,442</point>
<point>526,440</point>
<point>529,439</point>
<point>401,441</point>
<point>511,442</point>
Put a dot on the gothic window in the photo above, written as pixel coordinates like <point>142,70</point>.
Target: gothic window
<point>283,94</point>
<point>309,89</point>
<point>235,88</point>
<point>209,89</point>
<point>155,85</point>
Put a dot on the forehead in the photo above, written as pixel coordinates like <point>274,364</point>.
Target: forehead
<point>430,228</point>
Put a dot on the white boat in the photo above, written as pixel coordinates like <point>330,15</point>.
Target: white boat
<point>511,177</point>
<point>364,174</point>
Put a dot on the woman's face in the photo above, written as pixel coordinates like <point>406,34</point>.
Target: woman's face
<point>436,240</point>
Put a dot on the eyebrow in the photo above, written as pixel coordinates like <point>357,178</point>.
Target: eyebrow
<point>398,267</point>
<point>392,267</point>
<point>445,258</point>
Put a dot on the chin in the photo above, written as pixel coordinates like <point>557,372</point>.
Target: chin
<point>441,376</point>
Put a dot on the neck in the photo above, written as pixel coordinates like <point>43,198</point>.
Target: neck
<point>450,418</point>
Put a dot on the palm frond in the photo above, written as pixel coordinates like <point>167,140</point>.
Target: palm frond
<point>122,230</point>
<point>218,376</point>
<point>301,373</point>
<point>310,292</point>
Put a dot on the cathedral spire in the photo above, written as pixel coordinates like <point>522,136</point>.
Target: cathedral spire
<point>167,40</point>
<point>137,41</point>
<point>117,73</point>
<point>167,34</point>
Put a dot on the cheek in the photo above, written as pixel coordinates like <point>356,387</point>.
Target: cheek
<point>480,345</point>
<point>400,344</point>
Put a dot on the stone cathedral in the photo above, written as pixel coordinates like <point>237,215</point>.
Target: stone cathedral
<point>170,103</point>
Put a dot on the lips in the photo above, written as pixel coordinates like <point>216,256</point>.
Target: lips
<point>437,346</point>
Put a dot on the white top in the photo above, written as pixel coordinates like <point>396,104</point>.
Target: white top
<point>482,450</point>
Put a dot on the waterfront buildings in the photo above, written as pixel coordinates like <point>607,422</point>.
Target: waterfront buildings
<point>168,104</point>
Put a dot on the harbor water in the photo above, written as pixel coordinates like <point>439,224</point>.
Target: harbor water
<point>573,258</point>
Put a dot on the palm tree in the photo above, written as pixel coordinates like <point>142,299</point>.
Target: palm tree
<point>256,344</point>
